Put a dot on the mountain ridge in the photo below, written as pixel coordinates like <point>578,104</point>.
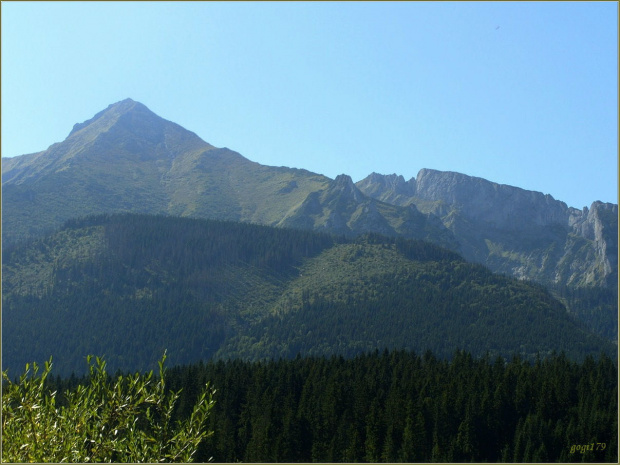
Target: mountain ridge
<point>126,158</point>
<point>469,205</point>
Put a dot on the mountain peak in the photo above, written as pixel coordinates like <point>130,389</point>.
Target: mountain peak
<point>111,114</point>
<point>390,188</point>
<point>131,126</point>
<point>344,185</point>
<point>343,180</point>
<point>121,137</point>
<point>395,182</point>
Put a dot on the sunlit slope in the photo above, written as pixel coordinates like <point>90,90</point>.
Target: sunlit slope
<point>127,159</point>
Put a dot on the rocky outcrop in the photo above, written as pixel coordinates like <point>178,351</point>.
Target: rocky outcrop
<point>343,186</point>
<point>512,230</point>
<point>499,206</point>
<point>343,208</point>
<point>599,225</point>
<point>391,188</point>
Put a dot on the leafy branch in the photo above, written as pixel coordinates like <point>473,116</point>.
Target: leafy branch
<point>125,420</point>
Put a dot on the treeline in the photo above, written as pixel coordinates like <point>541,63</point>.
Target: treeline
<point>401,407</point>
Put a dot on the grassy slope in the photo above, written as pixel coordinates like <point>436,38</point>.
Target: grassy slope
<point>128,159</point>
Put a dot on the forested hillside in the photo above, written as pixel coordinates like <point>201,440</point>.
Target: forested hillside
<point>401,407</point>
<point>129,286</point>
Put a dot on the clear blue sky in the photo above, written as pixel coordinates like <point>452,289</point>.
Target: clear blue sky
<point>519,93</point>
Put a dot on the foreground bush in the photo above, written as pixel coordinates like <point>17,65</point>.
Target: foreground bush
<point>126,420</point>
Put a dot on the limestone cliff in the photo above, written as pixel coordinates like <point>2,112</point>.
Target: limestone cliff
<point>512,230</point>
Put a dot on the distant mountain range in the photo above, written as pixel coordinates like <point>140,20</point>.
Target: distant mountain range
<point>127,159</point>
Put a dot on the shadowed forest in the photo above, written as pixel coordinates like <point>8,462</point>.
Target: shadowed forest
<point>401,407</point>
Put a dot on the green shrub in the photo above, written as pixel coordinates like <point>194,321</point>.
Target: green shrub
<point>126,420</point>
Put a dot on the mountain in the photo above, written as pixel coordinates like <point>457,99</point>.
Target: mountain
<point>341,208</point>
<point>514,231</point>
<point>126,158</point>
<point>129,286</point>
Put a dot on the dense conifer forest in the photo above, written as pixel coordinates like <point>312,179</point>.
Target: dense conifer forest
<point>595,307</point>
<point>129,286</point>
<point>397,406</point>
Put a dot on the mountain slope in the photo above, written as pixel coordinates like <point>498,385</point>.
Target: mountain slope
<point>126,158</point>
<point>341,208</point>
<point>109,163</point>
<point>129,286</point>
<point>522,233</point>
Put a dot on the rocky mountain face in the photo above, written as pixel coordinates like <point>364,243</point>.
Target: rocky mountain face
<point>127,159</point>
<point>514,231</point>
<point>342,208</point>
